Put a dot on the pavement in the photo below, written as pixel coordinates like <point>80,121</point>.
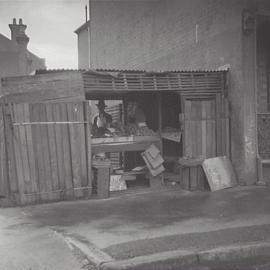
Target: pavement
<point>162,229</point>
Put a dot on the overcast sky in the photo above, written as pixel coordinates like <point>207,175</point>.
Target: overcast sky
<point>50,27</point>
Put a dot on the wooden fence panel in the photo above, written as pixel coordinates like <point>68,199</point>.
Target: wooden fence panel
<point>10,150</point>
<point>50,146</point>
<point>75,142</point>
<point>59,150</point>
<point>53,152</point>
<point>206,126</point>
<point>4,187</point>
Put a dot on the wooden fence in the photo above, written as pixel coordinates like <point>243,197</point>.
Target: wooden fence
<point>3,158</point>
<point>48,151</point>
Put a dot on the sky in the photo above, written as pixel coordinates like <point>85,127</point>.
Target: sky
<point>50,27</point>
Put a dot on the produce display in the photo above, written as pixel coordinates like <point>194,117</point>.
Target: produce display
<point>136,125</point>
<point>134,129</point>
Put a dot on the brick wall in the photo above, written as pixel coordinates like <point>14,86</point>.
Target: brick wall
<point>162,34</point>
<point>186,34</point>
<point>8,64</point>
<point>10,59</point>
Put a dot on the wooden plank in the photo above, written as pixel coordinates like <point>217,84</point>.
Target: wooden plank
<point>75,142</point>
<point>19,116</point>
<point>46,154</point>
<point>66,153</point>
<point>18,158</point>
<point>193,178</point>
<point>223,127</point>
<point>12,171</point>
<point>192,131</point>
<point>37,147</point>
<point>185,181</point>
<point>52,152</point>
<point>41,166</point>
<point>201,181</point>
<point>188,130</point>
<point>31,156</point>
<point>199,129</point>
<point>159,108</point>
<point>214,134</point>
<point>204,130</point>
<point>87,117</point>
<point>129,146</point>
<point>82,145</point>
<point>209,135</point>
<point>227,128</point>
<point>59,150</point>
<point>4,186</point>
<point>197,133</point>
<point>219,125</point>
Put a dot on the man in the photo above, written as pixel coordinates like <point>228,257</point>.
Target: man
<point>102,121</point>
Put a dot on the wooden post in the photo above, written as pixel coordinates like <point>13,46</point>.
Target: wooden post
<point>88,146</point>
<point>159,100</point>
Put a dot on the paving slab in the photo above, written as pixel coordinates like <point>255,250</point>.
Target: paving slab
<point>27,246</point>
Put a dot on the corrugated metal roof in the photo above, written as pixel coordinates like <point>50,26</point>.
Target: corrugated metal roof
<point>102,71</point>
<point>125,81</point>
<point>121,81</point>
<point>112,82</point>
<point>161,71</point>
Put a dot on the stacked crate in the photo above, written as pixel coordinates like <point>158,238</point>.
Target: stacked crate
<point>192,175</point>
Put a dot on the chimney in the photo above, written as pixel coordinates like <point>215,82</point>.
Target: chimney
<point>19,37</point>
<point>18,33</point>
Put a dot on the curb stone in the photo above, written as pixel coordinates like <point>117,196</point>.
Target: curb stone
<point>174,260</point>
<point>232,253</point>
<point>159,261</point>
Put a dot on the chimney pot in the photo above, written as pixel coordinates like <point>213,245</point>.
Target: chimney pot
<point>18,31</point>
<point>14,21</point>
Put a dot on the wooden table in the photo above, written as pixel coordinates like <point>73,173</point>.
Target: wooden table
<point>126,144</point>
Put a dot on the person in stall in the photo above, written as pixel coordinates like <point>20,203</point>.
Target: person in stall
<point>102,121</point>
<point>138,123</point>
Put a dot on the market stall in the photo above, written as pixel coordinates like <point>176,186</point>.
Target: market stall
<point>51,150</point>
<point>136,131</point>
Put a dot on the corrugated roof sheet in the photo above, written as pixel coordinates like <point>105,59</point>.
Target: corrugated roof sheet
<point>119,81</point>
<point>102,71</point>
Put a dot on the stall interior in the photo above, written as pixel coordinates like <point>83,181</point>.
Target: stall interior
<point>171,135</point>
<point>123,128</point>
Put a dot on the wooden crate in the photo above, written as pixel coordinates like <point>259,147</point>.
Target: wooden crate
<point>192,176</point>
